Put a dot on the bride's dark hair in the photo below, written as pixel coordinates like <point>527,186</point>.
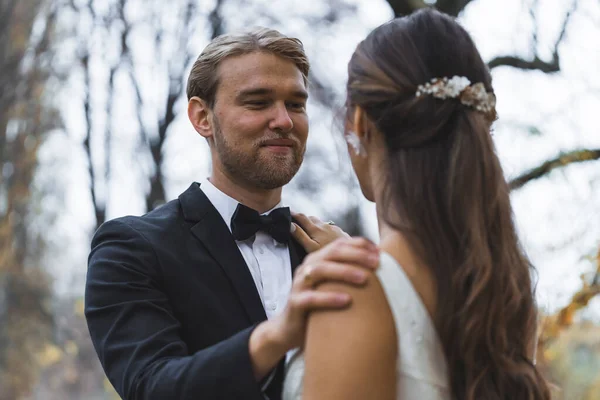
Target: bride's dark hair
<point>445,190</point>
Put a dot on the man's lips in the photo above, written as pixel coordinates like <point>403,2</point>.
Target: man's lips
<point>279,143</point>
<point>279,146</point>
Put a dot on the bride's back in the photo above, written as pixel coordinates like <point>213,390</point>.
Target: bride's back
<point>422,370</point>
<point>420,107</point>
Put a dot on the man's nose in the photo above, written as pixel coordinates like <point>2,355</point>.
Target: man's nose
<point>281,120</point>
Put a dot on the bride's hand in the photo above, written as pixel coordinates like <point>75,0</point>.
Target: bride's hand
<point>314,234</point>
<point>344,260</point>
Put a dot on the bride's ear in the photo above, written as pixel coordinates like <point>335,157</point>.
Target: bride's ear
<point>361,124</point>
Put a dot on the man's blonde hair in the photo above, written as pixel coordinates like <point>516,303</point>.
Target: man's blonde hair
<point>203,80</point>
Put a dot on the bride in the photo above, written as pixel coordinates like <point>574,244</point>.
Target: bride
<point>450,312</point>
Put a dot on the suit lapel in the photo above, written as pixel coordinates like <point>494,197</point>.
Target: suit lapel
<point>212,231</point>
<point>297,254</point>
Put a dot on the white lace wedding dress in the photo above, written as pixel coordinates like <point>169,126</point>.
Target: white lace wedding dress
<point>421,367</point>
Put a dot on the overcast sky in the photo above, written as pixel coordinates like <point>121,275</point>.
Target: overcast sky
<point>557,216</point>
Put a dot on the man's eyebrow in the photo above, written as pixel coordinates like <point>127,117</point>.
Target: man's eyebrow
<point>254,92</point>
<point>302,94</point>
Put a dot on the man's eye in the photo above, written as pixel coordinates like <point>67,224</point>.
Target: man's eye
<point>296,106</point>
<point>257,103</point>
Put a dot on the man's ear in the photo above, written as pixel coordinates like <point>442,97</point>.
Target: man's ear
<point>200,116</point>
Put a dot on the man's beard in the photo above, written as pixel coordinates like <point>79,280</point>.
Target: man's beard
<point>261,172</point>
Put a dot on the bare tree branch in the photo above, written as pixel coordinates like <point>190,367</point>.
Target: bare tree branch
<point>406,7</point>
<point>534,34</point>
<point>216,20</point>
<point>108,138</point>
<point>6,13</point>
<point>98,204</point>
<point>127,61</point>
<point>322,93</point>
<point>139,101</point>
<point>452,7</point>
<point>99,209</point>
<point>536,63</point>
<point>545,168</point>
<point>565,24</point>
<point>157,194</point>
<point>596,278</point>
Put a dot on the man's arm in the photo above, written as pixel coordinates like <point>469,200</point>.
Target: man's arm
<point>351,354</point>
<point>136,334</point>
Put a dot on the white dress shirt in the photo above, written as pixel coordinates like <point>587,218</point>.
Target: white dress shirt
<point>267,259</point>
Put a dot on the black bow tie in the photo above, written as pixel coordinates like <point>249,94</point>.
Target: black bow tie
<point>246,222</point>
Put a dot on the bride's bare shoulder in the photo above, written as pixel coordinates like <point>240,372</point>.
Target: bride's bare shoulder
<point>346,348</point>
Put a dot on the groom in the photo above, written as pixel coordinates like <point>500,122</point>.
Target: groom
<point>173,298</point>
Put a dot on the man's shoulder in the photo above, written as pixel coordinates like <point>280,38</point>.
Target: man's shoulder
<point>163,220</point>
<point>168,220</point>
<point>159,218</point>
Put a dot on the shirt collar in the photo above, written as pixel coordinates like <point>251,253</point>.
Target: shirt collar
<point>224,204</point>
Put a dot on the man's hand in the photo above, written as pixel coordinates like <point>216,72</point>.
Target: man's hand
<point>344,260</point>
<point>313,234</point>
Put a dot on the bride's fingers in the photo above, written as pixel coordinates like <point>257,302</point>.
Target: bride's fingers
<point>315,220</point>
<point>354,251</point>
<point>361,242</point>
<point>306,223</point>
<point>303,238</point>
<point>310,275</point>
<point>312,300</point>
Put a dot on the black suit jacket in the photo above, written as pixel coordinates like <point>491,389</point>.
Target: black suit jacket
<point>170,305</point>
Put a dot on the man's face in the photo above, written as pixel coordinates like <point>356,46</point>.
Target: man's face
<point>259,120</point>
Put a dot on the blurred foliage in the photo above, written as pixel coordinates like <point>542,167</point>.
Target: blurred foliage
<point>25,308</point>
<point>71,369</point>
<point>572,362</point>
<point>569,352</point>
